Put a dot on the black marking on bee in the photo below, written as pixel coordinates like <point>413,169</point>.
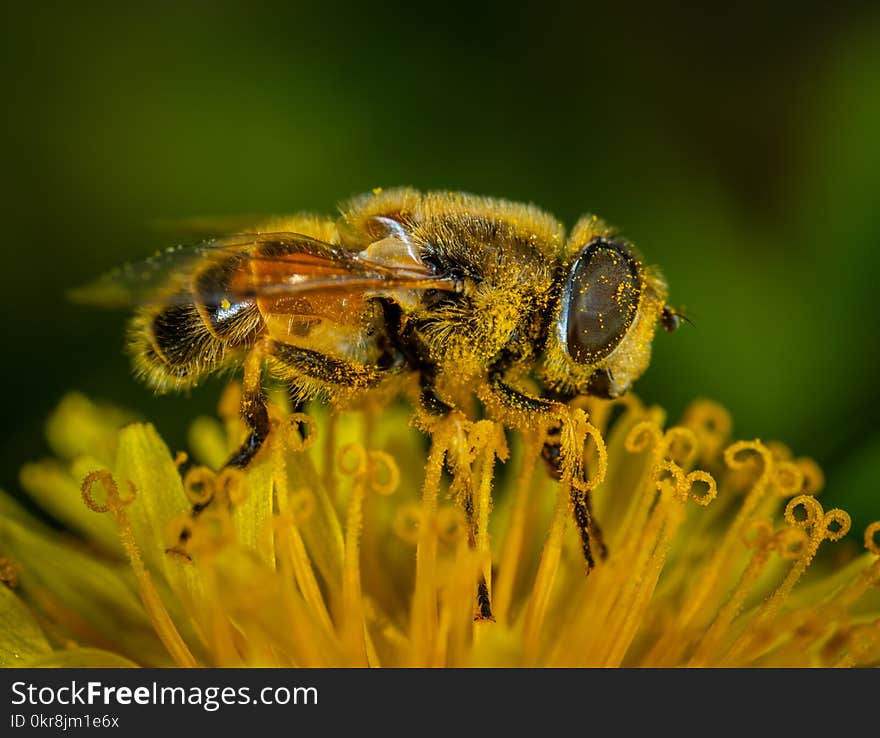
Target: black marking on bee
<point>234,320</point>
<point>173,332</point>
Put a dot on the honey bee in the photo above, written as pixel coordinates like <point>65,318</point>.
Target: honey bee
<point>445,295</point>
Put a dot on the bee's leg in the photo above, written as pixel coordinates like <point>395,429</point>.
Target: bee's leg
<point>405,341</point>
<point>484,604</point>
<point>432,404</point>
<point>253,409</point>
<point>327,369</point>
<point>582,504</point>
<point>588,529</point>
<point>256,415</point>
<point>428,398</point>
<point>297,405</point>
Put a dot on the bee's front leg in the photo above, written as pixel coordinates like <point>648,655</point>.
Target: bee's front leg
<point>429,400</point>
<point>581,504</point>
<point>433,405</point>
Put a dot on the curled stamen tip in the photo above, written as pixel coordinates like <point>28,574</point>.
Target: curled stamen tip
<point>178,551</point>
<point>681,445</point>
<point>837,524</point>
<point>199,485</point>
<point>407,523</point>
<point>232,485</point>
<point>742,453</point>
<point>788,479</point>
<point>803,511</point>
<point>351,459</point>
<point>708,416</point>
<point>384,472</point>
<point>872,538</point>
<point>113,500</point>
<point>790,543</point>
<point>779,451</point>
<point>642,436</point>
<point>450,524</point>
<point>757,533</point>
<point>602,456</point>
<point>701,480</point>
<point>669,478</point>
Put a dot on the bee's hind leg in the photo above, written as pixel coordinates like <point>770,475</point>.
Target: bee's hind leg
<point>253,409</point>
<point>256,416</point>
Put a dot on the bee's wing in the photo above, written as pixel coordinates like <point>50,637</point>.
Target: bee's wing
<point>263,265</point>
<point>196,229</point>
<point>165,272</point>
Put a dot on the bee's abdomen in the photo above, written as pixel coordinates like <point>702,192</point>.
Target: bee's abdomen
<point>176,344</point>
<point>228,315</point>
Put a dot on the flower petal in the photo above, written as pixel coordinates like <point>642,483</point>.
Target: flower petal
<point>80,426</point>
<point>86,598</point>
<point>81,658</point>
<point>21,638</point>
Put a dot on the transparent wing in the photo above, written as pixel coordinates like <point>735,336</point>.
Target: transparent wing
<point>203,228</point>
<point>249,265</point>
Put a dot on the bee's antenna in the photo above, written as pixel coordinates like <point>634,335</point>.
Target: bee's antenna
<point>671,318</point>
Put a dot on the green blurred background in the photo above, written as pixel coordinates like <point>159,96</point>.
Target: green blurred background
<point>739,149</point>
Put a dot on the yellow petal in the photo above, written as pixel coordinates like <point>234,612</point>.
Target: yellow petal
<point>89,600</point>
<point>252,517</point>
<point>80,426</point>
<point>81,658</point>
<point>144,463</point>
<point>11,509</point>
<point>208,442</point>
<point>21,638</point>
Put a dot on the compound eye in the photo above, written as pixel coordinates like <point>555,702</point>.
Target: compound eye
<point>600,300</point>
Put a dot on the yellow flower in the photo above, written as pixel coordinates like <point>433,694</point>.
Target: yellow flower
<point>366,545</point>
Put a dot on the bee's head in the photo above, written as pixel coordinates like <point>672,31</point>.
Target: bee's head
<point>609,305</point>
